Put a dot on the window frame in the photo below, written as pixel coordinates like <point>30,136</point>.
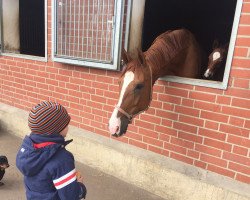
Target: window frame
<point>25,56</point>
<point>116,48</point>
<point>202,82</point>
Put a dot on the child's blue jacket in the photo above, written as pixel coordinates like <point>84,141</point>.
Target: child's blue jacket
<point>48,169</point>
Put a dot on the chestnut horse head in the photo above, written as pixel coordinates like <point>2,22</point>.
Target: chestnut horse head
<point>172,53</point>
<point>135,93</point>
<point>216,60</point>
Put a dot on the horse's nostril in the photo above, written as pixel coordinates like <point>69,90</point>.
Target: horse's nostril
<point>115,135</point>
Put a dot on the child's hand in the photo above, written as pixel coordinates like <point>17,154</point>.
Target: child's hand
<point>79,177</point>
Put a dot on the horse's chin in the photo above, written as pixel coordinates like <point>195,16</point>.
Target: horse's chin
<point>122,129</point>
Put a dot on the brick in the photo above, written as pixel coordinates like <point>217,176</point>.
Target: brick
<point>208,90</point>
<point>202,96</point>
<point>239,168</point>
<point>242,103</point>
<point>221,171</point>
<point>241,63</point>
<point>153,141</point>
<point>191,120</point>
<point>200,164</point>
<point>148,133</point>
<point>169,99</point>
<point>234,130</point>
<point>242,178</point>
<point>208,150</point>
<point>213,160</point>
<point>167,106</point>
<point>243,41</point>
<point>193,154</point>
<point>133,134</point>
<point>240,73</point>
<point>238,92</point>
<point>145,125</point>
<point>177,92</point>
<point>245,19</point>
<point>166,114</point>
<point>150,118</point>
<point>211,125</point>
<point>244,142</point>
<point>155,149</point>
<point>175,148</point>
<point>245,8</point>
<point>247,124</point>
<point>236,158</point>
<point>240,52</point>
<point>236,121</point>
<point>190,137</point>
<point>241,83</point>
<point>187,102</point>
<point>137,144</point>
<point>181,158</point>
<point>207,106</point>
<point>164,137</point>
<point>217,144</point>
<point>187,111</point>
<point>158,88</point>
<point>223,100</point>
<point>214,116</point>
<point>156,104</point>
<point>240,150</point>
<point>166,130</point>
<point>235,111</point>
<point>182,143</point>
<point>185,127</point>
<point>167,122</point>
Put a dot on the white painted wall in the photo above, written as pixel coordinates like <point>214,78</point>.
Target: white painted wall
<point>10,27</point>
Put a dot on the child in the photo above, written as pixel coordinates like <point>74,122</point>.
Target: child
<point>48,168</point>
<point>3,165</point>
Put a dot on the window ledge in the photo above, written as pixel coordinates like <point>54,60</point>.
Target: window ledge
<point>28,57</point>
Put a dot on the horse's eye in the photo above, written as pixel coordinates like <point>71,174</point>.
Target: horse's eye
<point>139,87</point>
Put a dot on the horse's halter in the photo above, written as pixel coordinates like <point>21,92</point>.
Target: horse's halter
<point>130,116</point>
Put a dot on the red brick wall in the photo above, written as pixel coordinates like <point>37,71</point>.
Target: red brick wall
<point>207,128</point>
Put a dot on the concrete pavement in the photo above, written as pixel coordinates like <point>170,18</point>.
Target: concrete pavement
<point>100,185</point>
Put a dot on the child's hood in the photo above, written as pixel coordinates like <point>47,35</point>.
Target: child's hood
<point>31,160</point>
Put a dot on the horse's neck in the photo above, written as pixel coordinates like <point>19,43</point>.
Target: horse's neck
<point>155,63</point>
<point>164,49</point>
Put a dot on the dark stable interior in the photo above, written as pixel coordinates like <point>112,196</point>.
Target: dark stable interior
<point>208,20</point>
<point>32,27</point>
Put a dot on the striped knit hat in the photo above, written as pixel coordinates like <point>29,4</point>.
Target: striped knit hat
<point>48,118</point>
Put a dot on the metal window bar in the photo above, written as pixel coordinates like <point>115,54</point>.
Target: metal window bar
<point>85,29</point>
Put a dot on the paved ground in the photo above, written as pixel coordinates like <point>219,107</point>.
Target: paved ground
<point>100,186</point>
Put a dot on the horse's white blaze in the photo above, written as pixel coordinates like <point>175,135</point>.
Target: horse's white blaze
<point>115,122</point>
<point>207,73</point>
<point>216,55</point>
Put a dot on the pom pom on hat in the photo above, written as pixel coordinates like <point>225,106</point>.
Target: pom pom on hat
<point>47,118</point>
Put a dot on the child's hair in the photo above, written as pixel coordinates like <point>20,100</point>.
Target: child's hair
<point>47,118</point>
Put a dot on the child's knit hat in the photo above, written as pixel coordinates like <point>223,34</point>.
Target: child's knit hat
<point>48,117</point>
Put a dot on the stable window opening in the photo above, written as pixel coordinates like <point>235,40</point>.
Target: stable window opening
<point>23,27</point>
<point>213,23</point>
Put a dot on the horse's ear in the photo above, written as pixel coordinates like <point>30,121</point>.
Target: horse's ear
<point>141,57</point>
<point>125,57</point>
<point>215,44</point>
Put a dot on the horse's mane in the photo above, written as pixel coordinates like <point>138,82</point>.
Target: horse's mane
<point>130,68</point>
<point>166,46</point>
